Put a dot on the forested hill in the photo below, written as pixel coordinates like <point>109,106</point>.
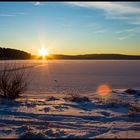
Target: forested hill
<point>8,54</point>
<point>11,54</point>
<point>96,57</point>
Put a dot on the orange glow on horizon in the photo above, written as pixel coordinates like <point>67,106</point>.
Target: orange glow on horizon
<point>104,90</point>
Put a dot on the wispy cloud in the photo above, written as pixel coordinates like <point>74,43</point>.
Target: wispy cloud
<point>7,15</point>
<point>114,10</point>
<point>38,3</point>
<point>130,30</point>
<point>126,37</point>
<point>135,20</point>
<point>115,7</point>
<point>13,14</point>
<point>127,31</point>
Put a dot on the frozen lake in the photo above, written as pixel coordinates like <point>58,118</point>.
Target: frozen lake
<point>80,75</point>
<point>45,111</point>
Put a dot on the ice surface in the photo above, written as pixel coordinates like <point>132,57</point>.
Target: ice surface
<point>80,75</point>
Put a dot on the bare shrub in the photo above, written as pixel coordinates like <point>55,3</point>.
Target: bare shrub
<point>13,81</point>
<point>75,97</point>
<point>80,99</point>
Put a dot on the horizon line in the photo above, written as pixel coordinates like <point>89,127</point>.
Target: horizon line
<point>90,54</point>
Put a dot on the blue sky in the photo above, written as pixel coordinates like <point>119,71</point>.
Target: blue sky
<point>71,27</point>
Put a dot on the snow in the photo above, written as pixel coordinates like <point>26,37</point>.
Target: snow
<point>59,118</point>
<point>47,111</point>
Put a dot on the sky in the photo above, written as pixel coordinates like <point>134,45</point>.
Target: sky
<point>71,27</point>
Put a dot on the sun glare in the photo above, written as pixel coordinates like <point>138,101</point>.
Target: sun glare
<point>104,90</point>
<point>43,52</point>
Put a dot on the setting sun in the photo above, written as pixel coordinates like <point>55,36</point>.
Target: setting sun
<point>43,52</point>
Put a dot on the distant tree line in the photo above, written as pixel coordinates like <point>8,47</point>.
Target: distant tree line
<point>8,54</point>
<point>97,57</point>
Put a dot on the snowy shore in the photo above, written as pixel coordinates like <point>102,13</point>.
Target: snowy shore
<point>58,116</point>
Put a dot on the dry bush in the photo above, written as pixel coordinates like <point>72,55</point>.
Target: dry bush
<point>75,97</point>
<point>13,81</point>
<point>80,99</point>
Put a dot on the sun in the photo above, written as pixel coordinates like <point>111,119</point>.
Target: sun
<point>43,52</point>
